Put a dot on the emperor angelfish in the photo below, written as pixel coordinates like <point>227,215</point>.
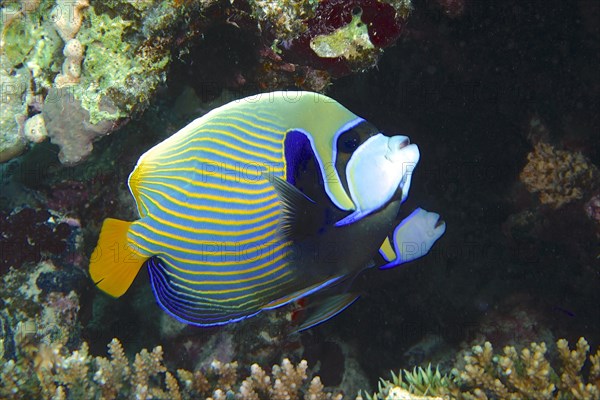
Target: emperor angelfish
<point>261,202</point>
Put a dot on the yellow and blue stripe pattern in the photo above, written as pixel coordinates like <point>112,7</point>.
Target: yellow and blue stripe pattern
<point>209,226</point>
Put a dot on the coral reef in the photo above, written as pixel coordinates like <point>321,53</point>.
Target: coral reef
<point>35,129</point>
<point>413,385</point>
<point>558,176</point>
<point>529,374</point>
<point>286,16</point>
<point>511,375</point>
<point>117,68</point>
<point>350,41</point>
<point>67,16</point>
<point>71,69</point>
<point>111,74</point>
<point>69,124</point>
<point>40,279</point>
<point>340,37</point>
<point>40,305</point>
<point>14,88</point>
<point>51,371</point>
<point>113,55</point>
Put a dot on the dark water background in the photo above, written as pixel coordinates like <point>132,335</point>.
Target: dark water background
<point>465,90</point>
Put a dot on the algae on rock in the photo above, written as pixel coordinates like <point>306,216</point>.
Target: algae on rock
<point>123,60</point>
<point>114,67</point>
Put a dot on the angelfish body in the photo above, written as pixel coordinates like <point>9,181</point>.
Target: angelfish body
<point>258,203</point>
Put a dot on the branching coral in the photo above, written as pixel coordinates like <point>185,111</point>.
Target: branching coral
<point>529,375</point>
<point>573,362</point>
<point>558,176</point>
<point>50,371</point>
<point>512,375</point>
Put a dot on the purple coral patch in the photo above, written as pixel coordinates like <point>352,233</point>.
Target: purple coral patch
<point>28,235</point>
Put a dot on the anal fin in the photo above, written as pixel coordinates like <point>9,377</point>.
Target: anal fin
<point>328,308</point>
<point>301,293</point>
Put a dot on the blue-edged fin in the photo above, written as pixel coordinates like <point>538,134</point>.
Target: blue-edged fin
<point>412,238</point>
<point>298,210</point>
<point>297,295</point>
<point>352,218</point>
<point>328,308</point>
<point>387,251</point>
<point>114,264</point>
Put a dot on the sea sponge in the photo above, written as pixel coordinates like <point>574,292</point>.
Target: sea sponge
<point>35,129</point>
<point>68,16</point>
<point>558,176</point>
<point>69,125</point>
<point>73,49</point>
<point>71,68</point>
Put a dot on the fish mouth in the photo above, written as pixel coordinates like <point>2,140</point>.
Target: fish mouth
<point>396,143</point>
<point>396,146</point>
<point>403,144</point>
<point>439,223</point>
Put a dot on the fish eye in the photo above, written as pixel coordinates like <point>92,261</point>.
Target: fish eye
<point>350,141</point>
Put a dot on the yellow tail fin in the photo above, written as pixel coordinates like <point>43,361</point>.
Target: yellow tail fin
<point>114,264</point>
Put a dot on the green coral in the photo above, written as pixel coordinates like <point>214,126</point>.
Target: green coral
<point>114,68</point>
<point>30,39</point>
<point>350,41</point>
<point>13,90</point>
<point>19,38</point>
<point>421,381</point>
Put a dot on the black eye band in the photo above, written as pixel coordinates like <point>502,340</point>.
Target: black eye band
<point>351,139</point>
